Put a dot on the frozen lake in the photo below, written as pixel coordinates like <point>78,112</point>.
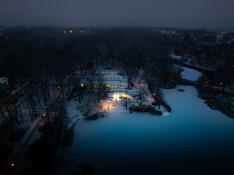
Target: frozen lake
<point>194,138</point>
<point>190,74</point>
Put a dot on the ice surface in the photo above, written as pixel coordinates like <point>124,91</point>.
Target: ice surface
<point>190,74</point>
<point>141,143</point>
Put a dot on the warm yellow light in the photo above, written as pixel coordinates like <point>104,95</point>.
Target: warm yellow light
<point>118,95</point>
<point>106,105</point>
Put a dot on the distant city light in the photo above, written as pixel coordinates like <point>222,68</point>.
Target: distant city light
<point>70,31</point>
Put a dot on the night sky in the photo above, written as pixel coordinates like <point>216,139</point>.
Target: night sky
<point>159,13</point>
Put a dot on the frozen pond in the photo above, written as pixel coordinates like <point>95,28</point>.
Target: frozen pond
<point>190,74</point>
<point>192,136</point>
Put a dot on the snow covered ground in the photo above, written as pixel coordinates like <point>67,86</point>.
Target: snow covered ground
<point>174,56</point>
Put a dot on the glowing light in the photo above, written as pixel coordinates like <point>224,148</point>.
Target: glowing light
<point>12,164</point>
<point>107,105</point>
<point>118,95</point>
<point>82,85</point>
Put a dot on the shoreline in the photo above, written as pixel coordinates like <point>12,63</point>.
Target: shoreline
<point>218,102</point>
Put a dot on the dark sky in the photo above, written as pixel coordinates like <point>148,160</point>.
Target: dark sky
<point>172,13</point>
